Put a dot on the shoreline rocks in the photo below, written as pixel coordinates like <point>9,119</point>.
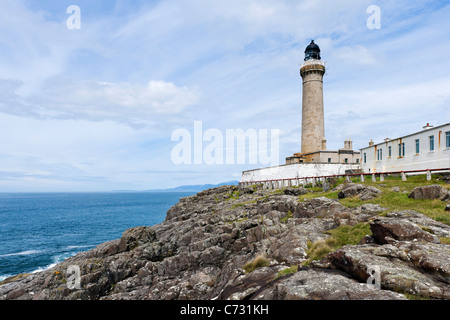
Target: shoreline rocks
<point>200,250</point>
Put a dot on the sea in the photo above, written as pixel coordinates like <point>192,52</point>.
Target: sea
<point>39,230</point>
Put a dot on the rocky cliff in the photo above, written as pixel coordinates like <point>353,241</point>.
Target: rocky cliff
<point>231,243</point>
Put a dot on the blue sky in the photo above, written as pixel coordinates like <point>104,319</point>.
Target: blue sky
<point>93,109</point>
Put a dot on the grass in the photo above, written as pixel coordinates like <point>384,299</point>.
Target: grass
<point>14,278</point>
<point>395,201</point>
<point>258,262</point>
<point>236,205</point>
<point>233,196</point>
<point>288,216</point>
<point>339,237</point>
<point>291,269</point>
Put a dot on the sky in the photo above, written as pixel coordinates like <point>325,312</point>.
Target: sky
<point>92,100</point>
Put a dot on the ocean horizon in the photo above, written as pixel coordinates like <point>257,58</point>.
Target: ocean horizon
<point>40,229</point>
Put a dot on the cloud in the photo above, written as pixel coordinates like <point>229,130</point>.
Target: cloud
<point>70,101</point>
<point>354,55</point>
<point>132,104</point>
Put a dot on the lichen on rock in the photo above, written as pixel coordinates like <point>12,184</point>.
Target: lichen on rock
<point>199,252</point>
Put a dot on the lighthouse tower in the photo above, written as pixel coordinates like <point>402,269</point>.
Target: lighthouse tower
<point>313,127</point>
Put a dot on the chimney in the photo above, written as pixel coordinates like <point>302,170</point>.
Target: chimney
<point>348,144</point>
<point>428,126</point>
<point>371,143</point>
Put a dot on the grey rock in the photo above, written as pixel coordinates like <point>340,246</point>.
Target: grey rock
<point>295,191</point>
<point>426,223</point>
<point>384,229</point>
<point>199,251</point>
<point>358,190</point>
<point>318,284</point>
<point>430,192</point>
<point>415,268</point>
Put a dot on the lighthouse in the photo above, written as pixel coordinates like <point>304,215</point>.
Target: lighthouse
<point>313,142</point>
<point>313,126</point>
<point>314,159</point>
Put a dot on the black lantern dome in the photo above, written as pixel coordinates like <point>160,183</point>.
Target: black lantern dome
<point>312,51</point>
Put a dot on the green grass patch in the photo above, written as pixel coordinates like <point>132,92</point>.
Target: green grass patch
<point>288,216</point>
<point>411,296</point>
<point>392,200</point>
<point>243,204</point>
<point>258,262</point>
<point>233,196</point>
<point>410,183</point>
<point>14,278</point>
<point>291,269</point>
<point>339,237</point>
<point>398,201</point>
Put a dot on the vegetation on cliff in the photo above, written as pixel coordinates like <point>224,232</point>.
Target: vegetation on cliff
<point>251,243</point>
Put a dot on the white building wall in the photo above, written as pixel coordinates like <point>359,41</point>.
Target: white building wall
<point>297,170</point>
<point>437,158</point>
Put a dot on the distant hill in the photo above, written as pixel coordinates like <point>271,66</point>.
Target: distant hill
<point>194,188</point>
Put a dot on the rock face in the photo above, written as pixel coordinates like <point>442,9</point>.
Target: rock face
<point>199,252</point>
<point>430,192</point>
<point>358,190</point>
<point>387,230</point>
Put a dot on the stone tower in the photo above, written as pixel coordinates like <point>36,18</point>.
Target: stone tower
<point>313,127</point>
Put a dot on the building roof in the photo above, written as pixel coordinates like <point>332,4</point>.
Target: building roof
<point>411,134</point>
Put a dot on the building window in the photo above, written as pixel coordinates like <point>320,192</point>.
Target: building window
<point>357,160</point>
<point>417,146</point>
<point>365,158</point>
<point>401,149</point>
<point>431,143</point>
<point>346,160</point>
<point>380,154</point>
<point>447,139</point>
<point>329,160</point>
<point>390,151</point>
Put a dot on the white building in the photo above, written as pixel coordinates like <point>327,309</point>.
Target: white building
<point>426,149</point>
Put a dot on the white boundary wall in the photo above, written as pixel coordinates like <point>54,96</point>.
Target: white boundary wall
<point>297,170</point>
